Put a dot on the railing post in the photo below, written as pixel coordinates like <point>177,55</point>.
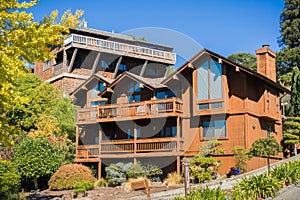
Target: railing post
<point>134,141</point>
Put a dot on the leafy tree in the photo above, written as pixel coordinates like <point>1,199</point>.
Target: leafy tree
<point>36,157</point>
<point>23,41</point>
<point>241,157</point>
<point>294,108</point>
<point>265,148</point>
<point>245,59</point>
<point>291,132</point>
<point>44,112</point>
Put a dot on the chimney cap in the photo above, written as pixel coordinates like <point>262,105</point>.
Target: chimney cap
<point>265,45</point>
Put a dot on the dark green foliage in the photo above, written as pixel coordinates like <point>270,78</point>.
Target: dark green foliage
<point>68,175</point>
<point>290,24</point>
<point>291,133</point>
<point>294,108</point>
<point>241,157</point>
<point>245,59</point>
<point>254,187</point>
<point>36,157</point>
<point>265,148</point>
<point>9,179</point>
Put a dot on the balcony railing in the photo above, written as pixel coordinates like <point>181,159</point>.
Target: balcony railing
<point>120,48</point>
<point>87,115</point>
<point>169,144</point>
<point>151,108</point>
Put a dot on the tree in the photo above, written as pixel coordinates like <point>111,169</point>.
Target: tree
<point>265,148</point>
<point>23,41</point>
<point>36,157</point>
<point>291,132</point>
<point>294,108</point>
<point>245,59</point>
<point>44,111</point>
<point>241,157</point>
<point>9,179</point>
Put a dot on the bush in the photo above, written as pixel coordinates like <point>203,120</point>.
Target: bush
<point>254,187</point>
<point>139,170</point>
<point>203,194</point>
<point>9,179</point>
<point>116,173</point>
<point>101,182</point>
<point>68,175</point>
<point>173,179</point>
<point>287,173</point>
<point>82,187</point>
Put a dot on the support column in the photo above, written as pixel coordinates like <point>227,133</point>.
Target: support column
<point>99,169</point>
<point>96,62</point>
<point>72,60</point>
<point>178,133</point>
<point>117,67</point>
<point>64,59</point>
<point>134,144</point>
<point>144,68</point>
<point>178,165</point>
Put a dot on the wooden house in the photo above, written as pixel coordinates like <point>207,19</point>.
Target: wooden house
<point>133,108</point>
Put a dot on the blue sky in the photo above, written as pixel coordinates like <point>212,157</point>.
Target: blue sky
<point>224,27</point>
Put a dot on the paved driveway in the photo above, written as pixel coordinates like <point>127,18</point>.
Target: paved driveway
<point>290,194</point>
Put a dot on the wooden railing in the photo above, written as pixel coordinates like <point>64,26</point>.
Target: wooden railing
<point>141,109</point>
<point>87,114</point>
<point>130,146</point>
<point>121,48</point>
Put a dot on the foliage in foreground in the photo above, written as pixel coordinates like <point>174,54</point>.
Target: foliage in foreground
<point>173,179</point>
<point>9,179</point>
<point>204,194</point>
<point>120,172</point>
<point>68,175</point>
<point>36,157</point>
<point>82,187</point>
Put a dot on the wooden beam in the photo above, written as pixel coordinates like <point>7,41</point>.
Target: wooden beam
<point>117,67</point>
<point>178,165</point>
<point>144,68</point>
<point>72,60</point>
<point>167,71</point>
<point>96,62</point>
<point>99,169</point>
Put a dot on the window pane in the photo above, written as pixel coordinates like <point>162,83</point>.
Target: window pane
<point>138,133</point>
<point>216,105</point>
<point>160,95</point>
<point>208,129</point>
<point>202,81</point>
<point>174,131</point>
<point>102,87</point>
<point>137,98</point>
<point>220,128</point>
<point>94,103</point>
<point>162,132</point>
<point>104,64</point>
<point>215,80</point>
<point>168,132</point>
<point>203,106</point>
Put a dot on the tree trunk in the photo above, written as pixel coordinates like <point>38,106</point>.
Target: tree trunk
<point>269,167</point>
<point>35,181</point>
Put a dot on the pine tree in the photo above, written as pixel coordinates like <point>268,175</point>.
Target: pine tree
<point>291,133</point>
<point>294,109</point>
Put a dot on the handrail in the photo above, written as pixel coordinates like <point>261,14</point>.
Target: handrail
<point>117,46</point>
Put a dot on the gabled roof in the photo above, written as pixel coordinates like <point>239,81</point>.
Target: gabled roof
<point>151,83</point>
<point>91,78</point>
<point>230,64</point>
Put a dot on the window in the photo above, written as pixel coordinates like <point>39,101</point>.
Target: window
<point>134,92</point>
<point>169,131</point>
<point>209,80</point>
<point>122,67</point>
<point>214,129</point>
<point>47,64</point>
<point>104,64</point>
<point>164,94</point>
<point>94,94</point>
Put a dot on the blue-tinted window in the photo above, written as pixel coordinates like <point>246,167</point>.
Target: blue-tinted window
<point>138,133</point>
<point>168,132</point>
<point>104,64</point>
<point>94,103</point>
<point>202,81</point>
<point>214,129</point>
<point>164,94</point>
<point>215,80</point>
<point>134,98</point>
<point>174,131</point>
<point>203,106</point>
<point>122,67</point>
<point>97,88</point>
<point>134,87</point>
<point>215,105</point>
<point>209,80</point>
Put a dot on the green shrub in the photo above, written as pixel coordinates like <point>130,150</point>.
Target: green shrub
<point>254,187</point>
<point>68,175</point>
<point>173,179</point>
<point>287,173</point>
<point>88,185</point>
<point>101,182</point>
<point>139,170</point>
<point>204,194</point>
<point>9,179</point>
<point>116,173</point>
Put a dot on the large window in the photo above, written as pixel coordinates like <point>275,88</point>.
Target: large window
<point>169,131</point>
<point>164,94</point>
<point>94,94</point>
<point>209,80</point>
<point>214,129</point>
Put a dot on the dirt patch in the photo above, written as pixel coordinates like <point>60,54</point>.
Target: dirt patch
<point>107,193</point>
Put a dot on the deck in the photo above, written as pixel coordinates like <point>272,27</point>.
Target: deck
<point>130,148</point>
<point>107,46</point>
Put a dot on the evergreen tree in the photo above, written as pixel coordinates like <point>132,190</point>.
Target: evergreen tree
<point>294,108</point>
<point>291,133</point>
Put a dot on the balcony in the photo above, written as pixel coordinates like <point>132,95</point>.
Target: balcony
<point>115,148</point>
<point>107,46</point>
<point>87,115</point>
<point>140,110</point>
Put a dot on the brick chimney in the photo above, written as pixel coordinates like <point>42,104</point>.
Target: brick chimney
<point>266,62</point>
